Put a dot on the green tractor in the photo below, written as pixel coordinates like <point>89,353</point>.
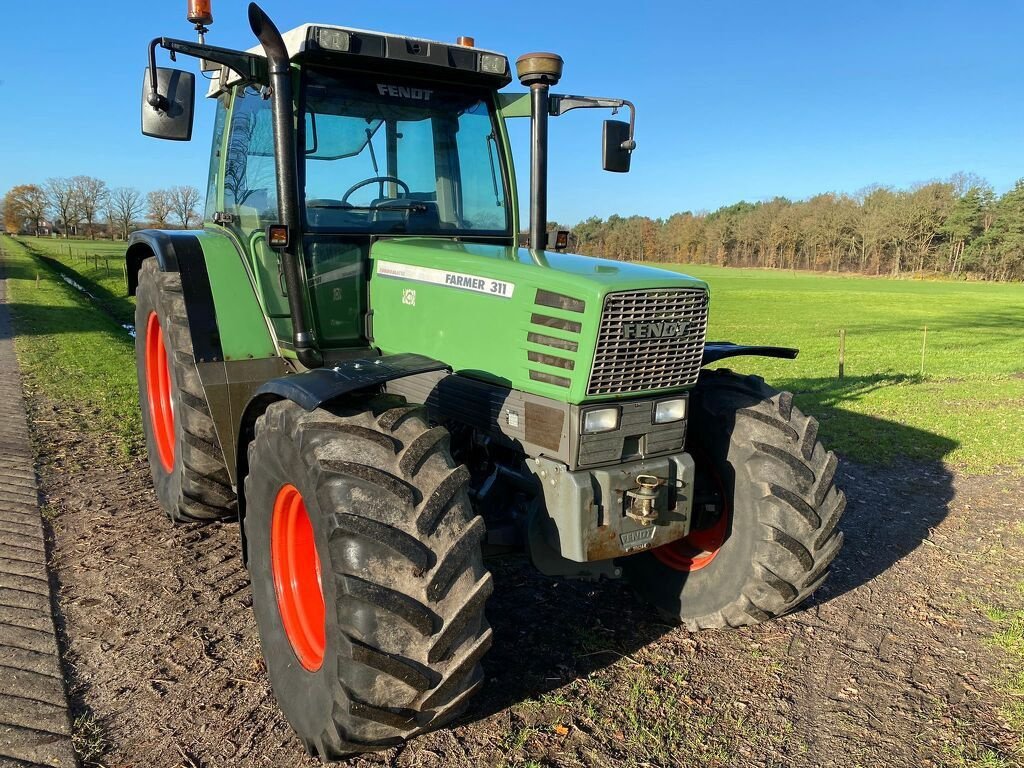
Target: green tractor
<point>361,358</point>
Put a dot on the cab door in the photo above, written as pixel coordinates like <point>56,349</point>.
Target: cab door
<point>250,197</point>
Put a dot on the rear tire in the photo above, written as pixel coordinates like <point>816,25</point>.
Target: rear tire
<point>781,533</point>
<point>185,457</point>
<point>399,565</point>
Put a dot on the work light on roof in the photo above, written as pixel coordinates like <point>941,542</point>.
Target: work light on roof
<point>493,64</point>
<point>332,39</point>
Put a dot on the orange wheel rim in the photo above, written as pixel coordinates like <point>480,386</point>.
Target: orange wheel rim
<point>697,550</point>
<point>158,392</point>
<point>700,547</point>
<point>296,571</point>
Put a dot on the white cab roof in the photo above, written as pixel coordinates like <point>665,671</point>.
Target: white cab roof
<point>296,40</point>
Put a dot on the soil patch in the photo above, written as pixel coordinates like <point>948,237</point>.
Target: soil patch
<point>888,665</point>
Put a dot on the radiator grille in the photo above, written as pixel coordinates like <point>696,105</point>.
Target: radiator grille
<point>637,347</point>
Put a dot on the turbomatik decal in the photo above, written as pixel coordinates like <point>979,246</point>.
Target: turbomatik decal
<point>459,280</point>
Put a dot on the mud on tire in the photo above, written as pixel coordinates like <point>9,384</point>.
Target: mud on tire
<point>196,487</point>
<point>400,569</point>
<point>778,483</point>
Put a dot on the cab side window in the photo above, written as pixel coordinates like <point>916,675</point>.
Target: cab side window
<point>216,154</point>
<point>250,182</point>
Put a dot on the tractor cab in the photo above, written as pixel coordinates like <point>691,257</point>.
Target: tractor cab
<point>345,137</point>
<point>414,147</point>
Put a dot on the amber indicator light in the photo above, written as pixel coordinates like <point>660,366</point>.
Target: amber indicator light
<point>277,236</point>
<point>200,12</point>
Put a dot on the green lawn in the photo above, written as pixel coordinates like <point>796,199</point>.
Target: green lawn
<point>966,409</point>
<point>96,265</point>
<point>71,351</point>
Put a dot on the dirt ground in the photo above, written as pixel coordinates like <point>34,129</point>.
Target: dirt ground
<point>887,666</point>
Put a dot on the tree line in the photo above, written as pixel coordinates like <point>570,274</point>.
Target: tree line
<point>959,227</point>
<point>86,205</point>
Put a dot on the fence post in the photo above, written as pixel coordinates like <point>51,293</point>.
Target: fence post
<point>842,352</point>
<point>924,347</point>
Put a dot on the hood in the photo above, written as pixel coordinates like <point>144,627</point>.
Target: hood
<point>522,319</point>
<point>567,273</point>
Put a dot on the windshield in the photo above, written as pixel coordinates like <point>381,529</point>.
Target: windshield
<point>388,156</point>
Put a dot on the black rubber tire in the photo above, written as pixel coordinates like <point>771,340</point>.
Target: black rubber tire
<point>778,480</point>
<point>197,488</point>
<point>401,570</point>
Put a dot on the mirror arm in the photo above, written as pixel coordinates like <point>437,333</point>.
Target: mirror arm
<point>153,98</point>
<point>560,104</point>
<point>252,67</point>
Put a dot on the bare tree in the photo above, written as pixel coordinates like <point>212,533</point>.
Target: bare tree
<point>159,204</point>
<point>185,201</point>
<point>92,194</point>
<point>63,197</point>
<point>125,207</point>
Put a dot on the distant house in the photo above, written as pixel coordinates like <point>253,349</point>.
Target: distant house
<point>45,229</point>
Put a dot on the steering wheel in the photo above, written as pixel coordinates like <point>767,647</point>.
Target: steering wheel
<point>374,180</point>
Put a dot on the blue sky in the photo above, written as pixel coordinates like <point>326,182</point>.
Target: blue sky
<point>736,100</point>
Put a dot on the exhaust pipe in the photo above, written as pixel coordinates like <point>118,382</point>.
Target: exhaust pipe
<point>539,71</point>
<point>279,68</point>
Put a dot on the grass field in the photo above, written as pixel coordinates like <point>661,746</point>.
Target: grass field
<point>75,353</point>
<point>966,409</point>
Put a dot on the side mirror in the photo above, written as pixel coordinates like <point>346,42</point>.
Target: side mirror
<point>614,154</point>
<point>168,104</point>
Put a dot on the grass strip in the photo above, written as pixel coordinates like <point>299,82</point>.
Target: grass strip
<point>70,350</point>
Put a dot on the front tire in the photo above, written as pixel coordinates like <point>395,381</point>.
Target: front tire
<point>775,534</point>
<point>373,627</point>
<point>185,459</point>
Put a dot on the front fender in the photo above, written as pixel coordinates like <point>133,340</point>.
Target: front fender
<point>719,350</point>
<point>318,387</point>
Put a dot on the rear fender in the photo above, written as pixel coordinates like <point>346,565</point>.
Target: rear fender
<point>181,252</point>
<point>155,242</point>
<point>225,316</point>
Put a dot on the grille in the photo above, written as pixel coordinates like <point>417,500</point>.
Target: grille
<point>631,356</point>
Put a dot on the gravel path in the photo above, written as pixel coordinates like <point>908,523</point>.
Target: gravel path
<point>888,665</point>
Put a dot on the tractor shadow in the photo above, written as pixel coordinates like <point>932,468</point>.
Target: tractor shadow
<point>549,632</point>
<point>44,320</point>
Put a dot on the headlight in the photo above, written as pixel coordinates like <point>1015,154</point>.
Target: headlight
<point>670,410</point>
<point>600,420</point>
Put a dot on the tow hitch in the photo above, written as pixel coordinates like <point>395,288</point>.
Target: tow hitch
<point>642,499</point>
